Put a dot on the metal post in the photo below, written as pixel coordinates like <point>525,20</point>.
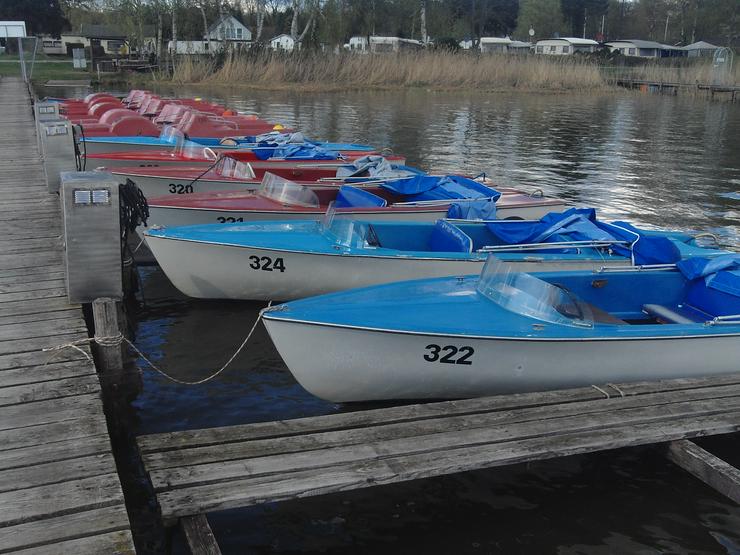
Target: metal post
<point>22,60</point>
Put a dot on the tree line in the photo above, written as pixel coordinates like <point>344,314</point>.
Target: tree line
<point>333,22</point>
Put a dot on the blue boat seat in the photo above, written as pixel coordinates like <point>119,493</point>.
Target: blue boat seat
<point>449,238</point>
<point>681,314</point>
<point>353,197</point>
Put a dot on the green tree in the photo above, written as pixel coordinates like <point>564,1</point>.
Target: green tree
<point>41,16</point>
<point>544,16</point>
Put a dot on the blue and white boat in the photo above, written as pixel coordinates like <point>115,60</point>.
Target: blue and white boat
<point>311,257</point>
<point>172,138</point>
<point>507,331</point>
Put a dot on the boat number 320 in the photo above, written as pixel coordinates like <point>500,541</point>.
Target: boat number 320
<point>266,263</point>
<point>180,189</point>
<point>449,354</point>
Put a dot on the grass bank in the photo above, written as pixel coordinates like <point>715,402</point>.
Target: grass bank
<point>431,70</point>
<point>434,70</point>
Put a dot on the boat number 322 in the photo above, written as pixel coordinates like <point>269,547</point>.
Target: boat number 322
<point>266,263</point>
<point>449,354</point>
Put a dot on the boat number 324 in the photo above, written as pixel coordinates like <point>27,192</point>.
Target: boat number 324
<point>449,354</point>
<point>266,263</point>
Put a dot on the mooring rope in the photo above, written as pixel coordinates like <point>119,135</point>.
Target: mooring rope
<point>119,339</point>
<point>597,388</point>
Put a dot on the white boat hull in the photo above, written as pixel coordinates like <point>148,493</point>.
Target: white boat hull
<point>347,364</point>
<point>153,187</point>
<point>214,271</point>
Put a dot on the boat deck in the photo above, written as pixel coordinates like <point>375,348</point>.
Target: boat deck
<point>199,471</point>
<point>59,489</point>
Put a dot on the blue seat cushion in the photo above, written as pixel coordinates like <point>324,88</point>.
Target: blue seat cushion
<point>449,238</point>
<point>349,196</point>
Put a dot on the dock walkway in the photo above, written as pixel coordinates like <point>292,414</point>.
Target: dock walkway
<point>199,471</point>
<point>59,489</point>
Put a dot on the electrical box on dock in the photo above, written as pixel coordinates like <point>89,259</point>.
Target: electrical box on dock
<point>92,235</point>
<point>58,150</point>
<point>43,112</point>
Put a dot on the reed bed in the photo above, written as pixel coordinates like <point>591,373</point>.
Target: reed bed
<point>437,70</point>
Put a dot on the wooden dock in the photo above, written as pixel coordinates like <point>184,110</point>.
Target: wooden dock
<point>195,472</point>
<point>661,87</point>
<point>59,489</point>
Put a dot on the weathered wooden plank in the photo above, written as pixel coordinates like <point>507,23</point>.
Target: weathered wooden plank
<point>56,472</point>
<point>264,430</point>
<point>239,493</point>
<point>450,422</point>
<point>51,372</point>
<point>199,536</point>
<point>31,286</point>
<point>45,328</point>
<point>32,281</point>
<point>711,470</point>
<point>73,526</point>
<point>459,435</point>
<point>35,306</point>
<point>39,343</point>
<point>55,451</point>
<point>50,433</point>
<point>44,412</point>
<point>57,389</point>
<point>57,499</point>
<point>36,358</point>
<point>35,294</point>
<point>111,543</point>
<point>71,315</point>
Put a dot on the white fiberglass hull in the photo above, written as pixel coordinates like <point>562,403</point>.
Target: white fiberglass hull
<point>104,147</point>
<point>350,364</point>
<point>153,187</point>
<point>214,271</point>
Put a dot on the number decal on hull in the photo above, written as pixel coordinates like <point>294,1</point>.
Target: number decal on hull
<point>266,264</point>
<point>229,220</point>
<point>180,189</point>
<point>449,354</point>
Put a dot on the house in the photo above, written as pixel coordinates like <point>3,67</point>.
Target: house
<point>195,47</point>
<point>108,40</point>
<point>283,42</point>
<point>490,45</point>
<point>701,48</point>
<point>357,44</point>
<point>53,46</point>
<point>466,44</point>
<point>393,44</point>
<point>520,47</point>
<point>644,49</point>
<point>228,28</point>
<point>565,46</point>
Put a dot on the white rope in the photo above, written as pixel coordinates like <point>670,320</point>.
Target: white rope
<point>597,388</point>
<point>616,388</point>
<point>116,340</point>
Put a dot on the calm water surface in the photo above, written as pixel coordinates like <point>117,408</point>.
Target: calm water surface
<point>656,161</point>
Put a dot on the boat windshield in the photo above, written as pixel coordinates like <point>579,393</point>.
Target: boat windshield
<point>195,151</point>
<point>287,192</point>
<point>235,169</point>
<point>524,294</point>
<point>344,231</point>
<point>172,135</point>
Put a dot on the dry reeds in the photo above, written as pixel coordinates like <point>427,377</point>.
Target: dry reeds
<point>438,70</point>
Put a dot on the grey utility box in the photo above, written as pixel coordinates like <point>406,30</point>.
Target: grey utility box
<point>58,149</point>
<point>43,112</point>
<point>92,235</point>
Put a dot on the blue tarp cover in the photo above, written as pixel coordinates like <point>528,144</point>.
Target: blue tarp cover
<point>721,273</point>
<point>647,250</point>
<point>296,152</point>
<point>473,210</point>
<point>576,224</point>
<point>426,187</point>
<point>349,196</point>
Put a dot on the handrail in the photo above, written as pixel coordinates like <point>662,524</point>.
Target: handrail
<point>555,245</point>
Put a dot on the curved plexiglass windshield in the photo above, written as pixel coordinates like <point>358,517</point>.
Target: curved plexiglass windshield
<point>287,192</point>
<point>235,169</point>
<point>172,135</point>
<point>524,294</point>
<point>195,151</point>
<point>345,231</point>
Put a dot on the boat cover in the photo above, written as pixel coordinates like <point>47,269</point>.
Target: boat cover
<point>349,196</point>
<point>473,210</point>
<point>575,224</point>
<point>430,187</point>
<point>296,152</point>
<point>721,273</point>
<point>648,249</point>
<point>376,167</point>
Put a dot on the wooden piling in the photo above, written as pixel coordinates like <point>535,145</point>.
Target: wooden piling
<point>107,335</point>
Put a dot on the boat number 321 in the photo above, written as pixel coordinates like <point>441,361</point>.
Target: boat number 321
<point>266,263</point>
<point>449,354</point>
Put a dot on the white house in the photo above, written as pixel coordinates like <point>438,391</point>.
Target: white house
<point>643,48</point>
<point>357,44</point>
<point>499,45</point>
<point>382,44</point>
<point>229,28</point>
<point>466,44</point>
<point>565,46</point>
<point>282,42</point>
<point>700,48</point>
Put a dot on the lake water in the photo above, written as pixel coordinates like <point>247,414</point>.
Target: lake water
<point>653,160</point>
